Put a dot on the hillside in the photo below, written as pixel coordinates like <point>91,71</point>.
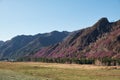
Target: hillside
<point>107,46</point>
<point>98,41</point>
<point>25,45</point>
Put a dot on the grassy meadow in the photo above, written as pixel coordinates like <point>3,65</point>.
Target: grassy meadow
<point>54,71</point>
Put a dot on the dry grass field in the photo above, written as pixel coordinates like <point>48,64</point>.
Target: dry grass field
<point>54,71</point>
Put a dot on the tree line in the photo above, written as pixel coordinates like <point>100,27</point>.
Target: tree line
<point>102,61</point>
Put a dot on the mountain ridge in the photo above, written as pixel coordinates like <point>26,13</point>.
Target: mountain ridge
<point>98,42</point>
<point>74,45</point>
<point>21,44</point>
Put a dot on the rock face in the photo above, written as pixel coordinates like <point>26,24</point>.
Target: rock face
<point>26,45</point>
<point>100,40</point>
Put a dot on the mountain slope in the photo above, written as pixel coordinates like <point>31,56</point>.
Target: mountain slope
<point>40,42</point>
<point>1,42</point>
<point>24,45</point>
<point>106,46</point>
<point>77,44</point>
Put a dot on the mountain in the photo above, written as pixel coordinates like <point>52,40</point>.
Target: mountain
<point>98,41</point>
<point>1,42</point>
<point>25,45</point>
<point>108,46</point>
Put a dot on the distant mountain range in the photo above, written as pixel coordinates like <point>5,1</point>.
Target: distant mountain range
<point>100,41</point>
<point>1,42</point>
<point>26,45</point>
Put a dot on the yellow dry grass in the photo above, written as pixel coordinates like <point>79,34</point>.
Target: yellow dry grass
<point>55,71</point>
<point>58,65</point>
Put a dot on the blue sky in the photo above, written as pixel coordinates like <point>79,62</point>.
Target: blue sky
<point>30,17</point>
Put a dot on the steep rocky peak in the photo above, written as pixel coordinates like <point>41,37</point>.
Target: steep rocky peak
<point>102,22</point>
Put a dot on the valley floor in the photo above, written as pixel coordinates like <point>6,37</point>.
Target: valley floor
<point>54,71</point>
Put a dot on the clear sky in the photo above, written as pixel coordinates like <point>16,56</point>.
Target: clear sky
<point>38,16</point>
